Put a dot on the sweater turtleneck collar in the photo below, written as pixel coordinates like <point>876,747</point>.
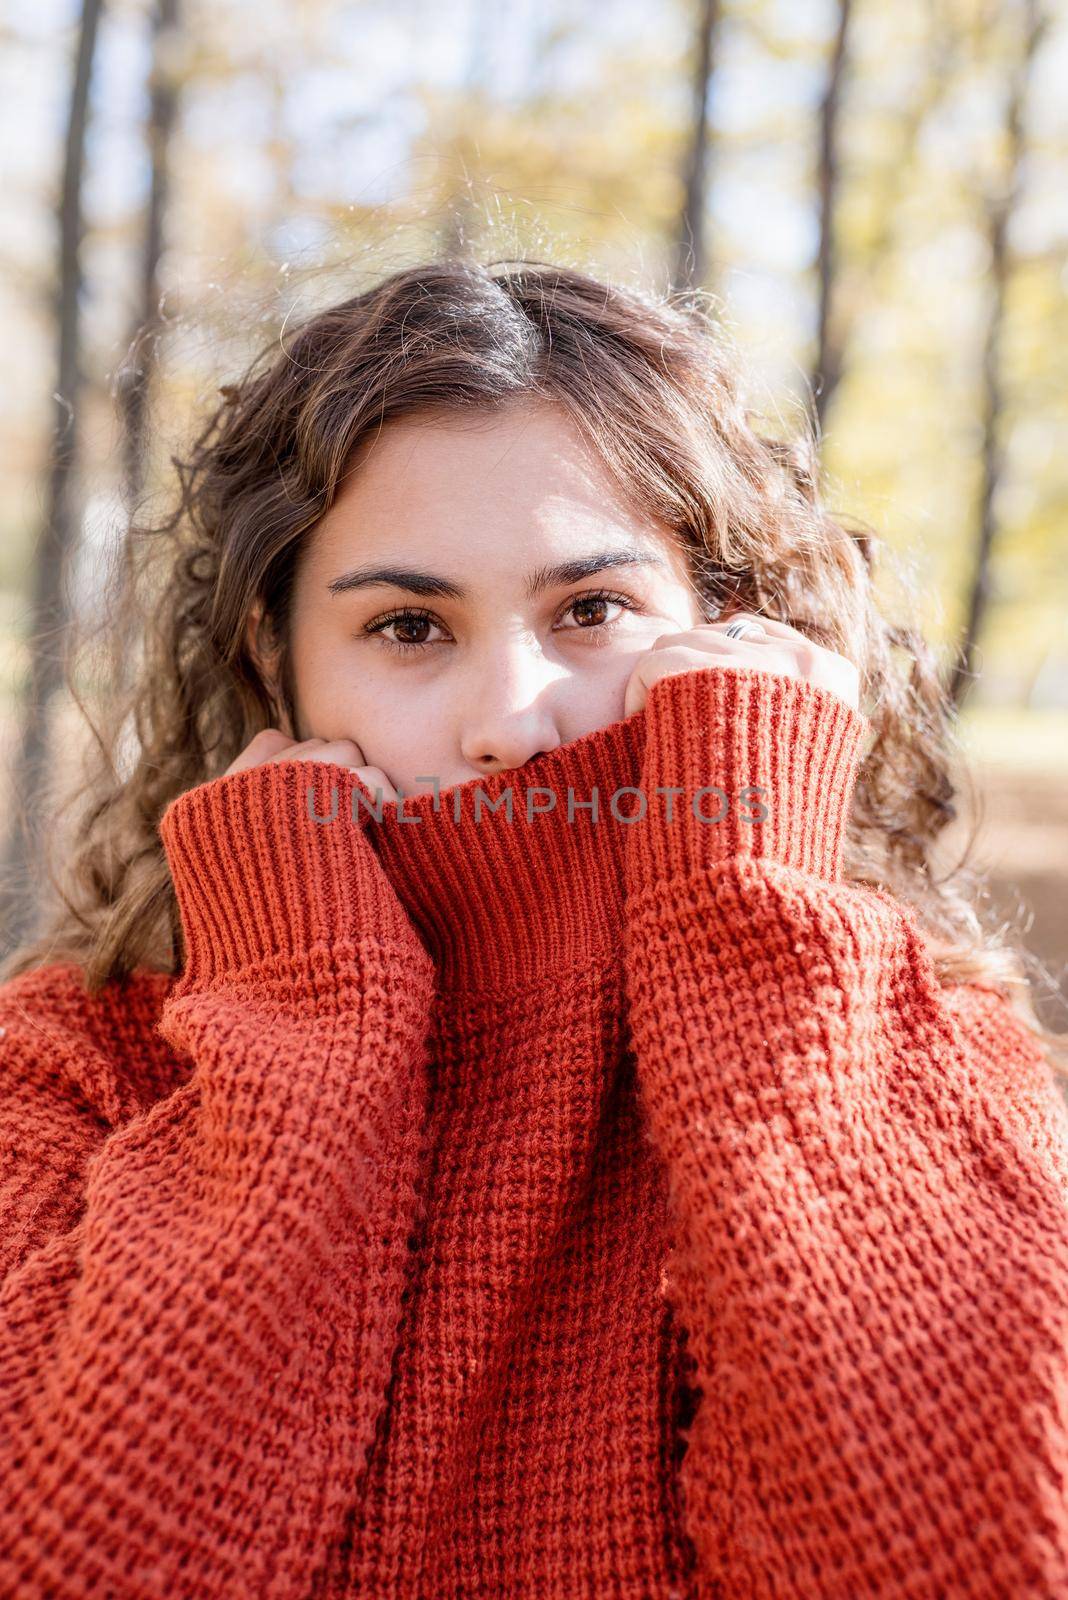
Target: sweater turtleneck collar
<point>498,901</point>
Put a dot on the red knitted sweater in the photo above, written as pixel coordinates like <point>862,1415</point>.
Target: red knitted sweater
<point>535,1207</point>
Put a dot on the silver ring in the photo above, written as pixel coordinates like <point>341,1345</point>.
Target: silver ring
<point>744,630</point>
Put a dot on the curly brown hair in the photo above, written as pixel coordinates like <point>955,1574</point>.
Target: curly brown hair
<point>654,383</point>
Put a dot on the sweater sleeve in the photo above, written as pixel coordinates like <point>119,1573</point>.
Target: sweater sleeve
<point>868,1182</point>
<point>191,1371</point>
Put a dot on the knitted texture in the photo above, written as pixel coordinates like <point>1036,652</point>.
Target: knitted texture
<point>508,1203</point>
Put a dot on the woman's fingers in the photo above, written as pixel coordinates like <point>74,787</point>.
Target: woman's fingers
<point>717,630</point>
<point>339,752</point>
<point>342,753</point>
<point>374,779</point>
<point>781,630</point>
<point>781,649</point>
<point>270,745</point>
<point>263,746</point>
<point>668,659</point>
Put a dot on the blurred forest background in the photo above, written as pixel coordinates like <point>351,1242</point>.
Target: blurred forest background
<point>875,194</point>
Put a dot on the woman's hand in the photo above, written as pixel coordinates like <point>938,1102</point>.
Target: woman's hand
<point>270,744</point>
<point>783,650</point>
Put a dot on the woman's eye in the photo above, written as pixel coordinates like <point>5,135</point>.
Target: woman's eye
<point>412,625</point>
<point>591,611</point>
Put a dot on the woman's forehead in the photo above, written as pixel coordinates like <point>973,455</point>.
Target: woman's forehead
<point>486,502</point>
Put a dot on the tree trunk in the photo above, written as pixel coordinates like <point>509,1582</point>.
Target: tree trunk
<point>135,381</point>
<point>1000,208</point>
<point>458,236</point>
<point>828,342</point>
<point>58,537</point>
<point>691,251</point>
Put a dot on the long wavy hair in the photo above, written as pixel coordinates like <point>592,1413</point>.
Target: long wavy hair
<point>655,384</point>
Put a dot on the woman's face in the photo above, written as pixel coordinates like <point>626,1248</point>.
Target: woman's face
<point>434,620</point>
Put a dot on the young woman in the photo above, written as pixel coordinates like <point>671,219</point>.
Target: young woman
<point>506,1108</point>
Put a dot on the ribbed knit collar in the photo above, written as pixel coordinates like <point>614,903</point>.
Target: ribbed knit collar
<point>499,901</point>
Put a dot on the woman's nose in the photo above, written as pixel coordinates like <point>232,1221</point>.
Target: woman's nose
<point>509,708</point>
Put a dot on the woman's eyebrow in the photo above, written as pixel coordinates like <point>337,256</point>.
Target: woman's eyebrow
<point>429,583</point>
